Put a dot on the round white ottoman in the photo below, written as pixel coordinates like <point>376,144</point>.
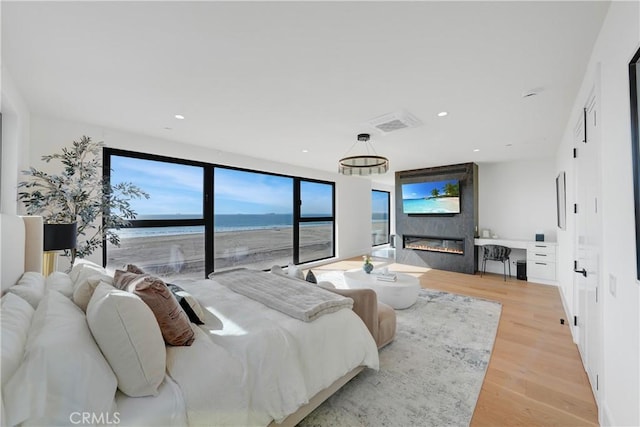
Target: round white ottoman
<point>400,294</point>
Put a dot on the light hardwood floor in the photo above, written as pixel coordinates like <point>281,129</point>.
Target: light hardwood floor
<point>535,376</point>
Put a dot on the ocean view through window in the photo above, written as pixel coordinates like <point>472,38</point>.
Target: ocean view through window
<point>168,236</point>
<point>250,222</point>
<point>380,218</point>
<point>253,219</point>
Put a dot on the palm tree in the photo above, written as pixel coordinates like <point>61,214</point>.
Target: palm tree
<point>451,189</point>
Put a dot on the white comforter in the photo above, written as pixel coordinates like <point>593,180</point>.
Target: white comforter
<point>259,364</point>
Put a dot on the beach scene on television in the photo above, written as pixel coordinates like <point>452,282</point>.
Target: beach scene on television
<point>435,197</point>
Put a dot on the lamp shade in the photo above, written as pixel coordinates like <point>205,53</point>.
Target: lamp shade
<point>60,236</point>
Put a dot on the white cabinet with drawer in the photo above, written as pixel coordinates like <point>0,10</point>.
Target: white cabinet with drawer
<point>541,262</point>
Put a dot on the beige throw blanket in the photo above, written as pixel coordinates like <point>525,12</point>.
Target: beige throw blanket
<point>296,298</point>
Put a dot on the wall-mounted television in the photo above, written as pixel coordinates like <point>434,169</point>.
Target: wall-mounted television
<point>431,197</point>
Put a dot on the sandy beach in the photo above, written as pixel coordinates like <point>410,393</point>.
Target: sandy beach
<point>183,255</point>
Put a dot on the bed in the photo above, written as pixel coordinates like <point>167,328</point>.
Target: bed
<point>248,364</point>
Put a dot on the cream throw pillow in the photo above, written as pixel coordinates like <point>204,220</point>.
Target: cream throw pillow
<point>129,336</point>
<point>84,290</point>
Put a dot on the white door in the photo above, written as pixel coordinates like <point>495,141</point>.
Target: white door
<point>588,244</point>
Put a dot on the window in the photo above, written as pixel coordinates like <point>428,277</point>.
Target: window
<point>202,217</point>
<point>316,221</point>
<point>253,219</point>
<point>380,218</point>
<point>168,236</point>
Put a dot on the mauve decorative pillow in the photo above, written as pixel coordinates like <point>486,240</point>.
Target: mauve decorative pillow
<point>132,268</point>
<point>173,321</point>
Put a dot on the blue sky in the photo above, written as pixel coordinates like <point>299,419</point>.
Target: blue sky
<point>177,189</point>
<point>379,202</point>
<point>251,193</point>
<point>173,189</point>
<point>420,190</point>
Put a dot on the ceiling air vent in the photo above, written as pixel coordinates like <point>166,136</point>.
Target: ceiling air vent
<point>394,121</point>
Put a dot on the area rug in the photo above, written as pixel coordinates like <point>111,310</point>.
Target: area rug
<point>430,375</point>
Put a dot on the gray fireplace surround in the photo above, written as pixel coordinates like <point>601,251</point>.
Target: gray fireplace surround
<point>444,242</point>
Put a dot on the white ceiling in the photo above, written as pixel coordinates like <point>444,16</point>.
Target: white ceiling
<point>270,79</point>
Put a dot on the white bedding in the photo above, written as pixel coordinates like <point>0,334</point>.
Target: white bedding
<point>260,359</point>
<point>166,409</point>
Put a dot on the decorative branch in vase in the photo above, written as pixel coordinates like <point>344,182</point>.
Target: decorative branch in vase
<point>82,195</point>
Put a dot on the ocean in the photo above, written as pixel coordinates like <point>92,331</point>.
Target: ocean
<point>238,222</point>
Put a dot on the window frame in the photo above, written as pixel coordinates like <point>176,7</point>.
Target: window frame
<point>298,218</point>
<point>208,208</point>
<point>388,193</point>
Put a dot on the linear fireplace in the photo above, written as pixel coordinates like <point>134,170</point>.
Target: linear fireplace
<point>434,244</point>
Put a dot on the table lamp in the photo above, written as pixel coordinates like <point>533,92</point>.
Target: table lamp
<point>57,237</point>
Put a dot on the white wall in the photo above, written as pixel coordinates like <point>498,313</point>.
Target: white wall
<point>517,199</point>
<point>620,380</point>
<point>353,195</point>
<point>15,143</point>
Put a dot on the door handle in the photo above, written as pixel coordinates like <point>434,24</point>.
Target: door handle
<point>583,272</point>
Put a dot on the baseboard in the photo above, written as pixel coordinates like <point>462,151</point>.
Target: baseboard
<point>568,313</point>
<point>543,282</point>
<point>604,415</point>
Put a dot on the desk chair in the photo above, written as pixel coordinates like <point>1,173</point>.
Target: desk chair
<point>496,253</point>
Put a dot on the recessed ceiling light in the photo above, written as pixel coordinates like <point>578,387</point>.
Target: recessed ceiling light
<point>305,151</point>
<point>167,128</point>
<point>475,150</point>
<point>179,116</point>
<point>442,113</point>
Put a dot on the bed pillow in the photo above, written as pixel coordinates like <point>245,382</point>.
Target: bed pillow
<point>63,370</point>
<point>84,290</point>
<point>15,319</point>
<point>30,288</point>
<point>129,336</point>
<point>174,322</point>
<point>310,277</point>
<point>61,282</point>
<point>132,268</point>
<point>326,285</point>
<point>189,304</point>
<point>276,269</point>
<point>295,271</point>
<point>82,269</point>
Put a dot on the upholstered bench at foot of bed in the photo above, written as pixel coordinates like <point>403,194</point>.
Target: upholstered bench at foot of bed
<point>386,324</point>
<point>379,318</point>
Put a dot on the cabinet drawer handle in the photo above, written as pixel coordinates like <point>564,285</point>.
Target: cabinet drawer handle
<point>541,254</point>
<point>541,246</point>
<point>541,263</point>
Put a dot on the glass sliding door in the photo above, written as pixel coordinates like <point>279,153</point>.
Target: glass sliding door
<point>253,219</point>
<point>380,218</point>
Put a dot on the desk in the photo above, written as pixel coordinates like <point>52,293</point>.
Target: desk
<point>541,257</point>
